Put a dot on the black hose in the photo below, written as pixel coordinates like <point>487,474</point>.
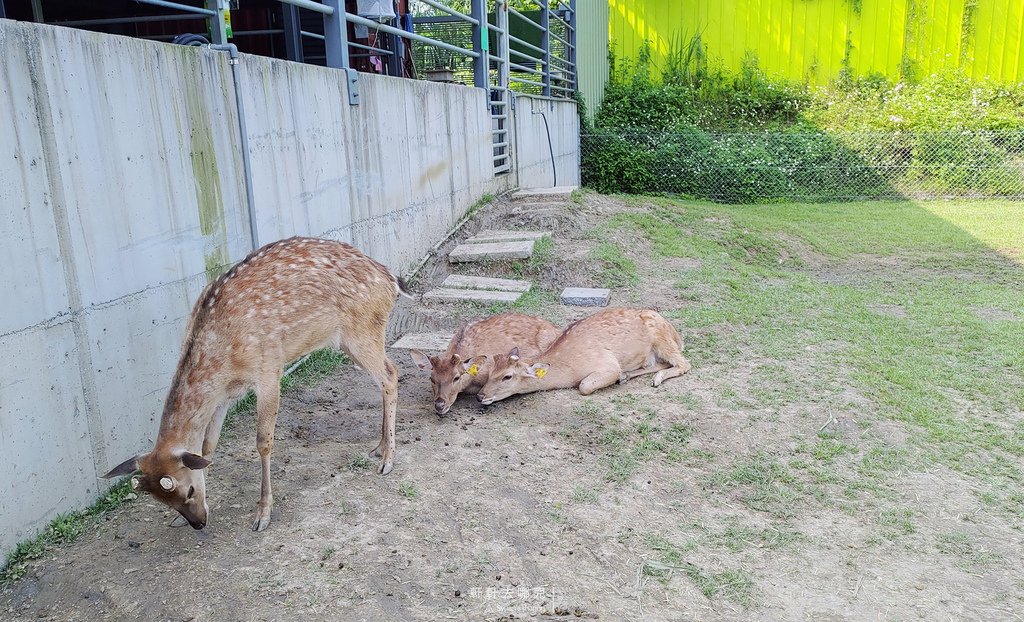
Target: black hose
<point>551,149</point>
<point>190,39</point>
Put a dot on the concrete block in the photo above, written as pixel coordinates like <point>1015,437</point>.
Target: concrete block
<point>459,281</point>
<point>490,251</point>
<point>506,236</point>
<point>473,295</point>
<point>586,296</point>
<point>544,195</point>
<point>432,342</point>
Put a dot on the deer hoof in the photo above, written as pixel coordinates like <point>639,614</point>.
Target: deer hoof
<point>659,378</point>
<point>386,468</point>
<point>623,377</point>
<point>262,521</point>
<point>178,521</point>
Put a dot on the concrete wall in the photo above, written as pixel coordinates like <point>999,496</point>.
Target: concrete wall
<point>122,190</point>
<point>532,154</point>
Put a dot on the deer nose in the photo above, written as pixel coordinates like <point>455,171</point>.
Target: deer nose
<point>439,405</point>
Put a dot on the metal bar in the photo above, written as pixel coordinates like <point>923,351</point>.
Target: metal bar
<point>110,21</point>
<point>336,34</point>
<point>539,59</point>
<point>292,32</point>
<point>572,50</point>
<point>218,21</point>
<point>355,19</point>
<point>327,8</point>
<point>178,6</point>
<point>3,12</point>
<point>313,35</point>
<point>529,45</point>
<point>526,69</point>
<point>493,27</point>
<point>37,11</point>
<point>369,48</point>
<point>462,16</point>
<point>525,18</point>
<point>481,44</point>
<point>436,19</point>
<point>496,59</point>
<point>545,42</point>
<point>525,81</point>
<point>564,42</point>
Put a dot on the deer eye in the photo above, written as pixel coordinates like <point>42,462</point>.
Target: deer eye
<point>191,491</point>
<point>508,377</point>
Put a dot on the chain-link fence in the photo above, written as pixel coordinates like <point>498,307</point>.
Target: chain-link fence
<point>764,167</point>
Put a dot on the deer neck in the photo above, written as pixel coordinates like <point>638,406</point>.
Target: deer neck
<point>561,372</point>
<point>191,403</point>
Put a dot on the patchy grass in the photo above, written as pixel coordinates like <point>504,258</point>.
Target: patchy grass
<point>967,555</point>
<point>615,268</point>
<point>62,530</point>
<point>408,490</point>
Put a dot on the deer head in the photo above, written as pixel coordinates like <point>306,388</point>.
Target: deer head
<point>176,480</point>
<point>449,376</point>
<point>510,376</point>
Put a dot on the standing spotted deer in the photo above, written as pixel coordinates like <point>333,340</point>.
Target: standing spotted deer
<point>282,301</point>
<point>452,373</point>
<point>609,346</point>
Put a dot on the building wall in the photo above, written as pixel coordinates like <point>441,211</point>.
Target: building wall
<point>122,192</point>
<point>813,40</point>
<point>592,28</point>
<point>533,153</point>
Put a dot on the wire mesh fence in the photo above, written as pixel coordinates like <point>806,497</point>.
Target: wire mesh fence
<point>765,167</point>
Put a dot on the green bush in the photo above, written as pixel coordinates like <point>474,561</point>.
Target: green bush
<point>703,132</point>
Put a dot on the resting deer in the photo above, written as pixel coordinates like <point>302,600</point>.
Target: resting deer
<point>610,346</point>
<point>452,373</point>
<point>282,301</point>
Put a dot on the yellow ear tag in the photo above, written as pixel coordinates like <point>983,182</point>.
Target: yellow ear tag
<point>473,370</point>
<point>540,372</point>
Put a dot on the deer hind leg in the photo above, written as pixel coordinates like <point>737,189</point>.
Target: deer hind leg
<point>268,398</point>
<point>668,347</point>
<point>643,371</point>
<point>368,353</point>
<point>213,430</point>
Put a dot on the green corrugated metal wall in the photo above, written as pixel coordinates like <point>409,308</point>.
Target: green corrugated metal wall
<point>808,39</point>
<point>592,50</point>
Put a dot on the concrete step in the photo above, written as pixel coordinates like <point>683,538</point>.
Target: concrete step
<point>432,342</point>
<point>506,236</point>
<point>544,195</point>
<point>586,297</point>
<point>459,281</point>
<point>474,295</point>
<point>545,206</point>
<point>490,251</point>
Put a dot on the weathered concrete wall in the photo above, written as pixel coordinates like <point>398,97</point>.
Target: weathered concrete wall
<point>532,155</point>
<point>122,190</point>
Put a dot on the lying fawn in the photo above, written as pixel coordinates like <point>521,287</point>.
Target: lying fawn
<point>610,346</point>
<point>452,373</point>
<point>282,301</point>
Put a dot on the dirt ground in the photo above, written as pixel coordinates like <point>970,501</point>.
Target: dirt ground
<point>548,506</point>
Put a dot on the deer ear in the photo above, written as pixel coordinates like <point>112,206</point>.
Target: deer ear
<point>127,467</point>
<point>472,366</point>
<point>513,354</point>
<point>195,461</point>
<point>422,360</point>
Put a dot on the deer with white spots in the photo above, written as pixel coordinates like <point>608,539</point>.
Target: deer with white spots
<point>284,300</point>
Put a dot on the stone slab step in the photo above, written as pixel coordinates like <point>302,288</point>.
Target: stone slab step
<point>474,295</point>
<point>586,296</point>
<point>538,195</point>
<point>459,281</point>
<point>490,251</point>
<point>424,341</point>
<point>506,236</point>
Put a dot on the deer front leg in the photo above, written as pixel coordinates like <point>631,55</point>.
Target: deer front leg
<point>600,379</point>
<point>213,430</point>
<point>268,397</point>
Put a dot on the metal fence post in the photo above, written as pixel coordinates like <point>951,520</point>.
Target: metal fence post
<point>218,25</point>
<point>292,32</point>
<point>336,35</point>
<point>481,45</point>
<point>572,42</point>
<point>545,42</point>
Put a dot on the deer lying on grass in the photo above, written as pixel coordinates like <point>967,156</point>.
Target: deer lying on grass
<point>282,301</point>
<point>452,373</point>
<point>610,346</point>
